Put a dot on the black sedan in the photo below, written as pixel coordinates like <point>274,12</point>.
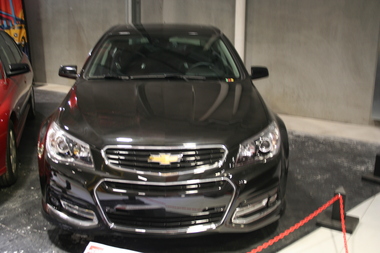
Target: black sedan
<point>163,133</point>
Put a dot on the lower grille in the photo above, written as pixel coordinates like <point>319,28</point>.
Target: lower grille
<point>136,220</point>
<point>167,190</point>
<point>129,205</point>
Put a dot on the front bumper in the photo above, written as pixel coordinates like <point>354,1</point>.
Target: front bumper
<point>94,202</point>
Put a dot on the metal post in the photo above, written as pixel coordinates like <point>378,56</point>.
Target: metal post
<point>240,13</point>
<point>136,11</point>
<point>336,206</point>
<point>133,11</point>
<point>375,177</point>
<point>128,11</point>
<point>332,219</point>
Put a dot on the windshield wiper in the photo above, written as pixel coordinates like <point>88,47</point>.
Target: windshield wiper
<point>114,77</point>
<point>168,76</point>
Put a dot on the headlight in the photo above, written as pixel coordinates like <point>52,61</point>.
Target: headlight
<point>260,148</point>
<point>64,148</point>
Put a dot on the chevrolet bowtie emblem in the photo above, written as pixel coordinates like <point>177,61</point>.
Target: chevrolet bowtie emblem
<point>165,159</point>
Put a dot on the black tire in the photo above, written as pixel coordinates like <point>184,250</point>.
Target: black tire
<point>32,110</point>
<point>10,175</point>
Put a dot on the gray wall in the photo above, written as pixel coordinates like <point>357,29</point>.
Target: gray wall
<point>321,54</point>
<point>376,95</point>
<point>220,13</point>
<point>64,31</point>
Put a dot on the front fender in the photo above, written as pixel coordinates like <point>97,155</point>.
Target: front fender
<point>41,152</point>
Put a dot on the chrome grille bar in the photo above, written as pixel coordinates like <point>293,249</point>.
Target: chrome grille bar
<point>136,158</point>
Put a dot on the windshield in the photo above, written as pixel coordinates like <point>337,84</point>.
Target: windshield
<point>135,57</point>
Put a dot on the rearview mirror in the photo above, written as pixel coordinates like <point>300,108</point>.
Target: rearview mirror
<point>18,69</point>
<point>259,72</point>
<point>68,71</point>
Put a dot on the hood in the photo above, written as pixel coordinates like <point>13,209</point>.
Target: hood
<point>163,112</point>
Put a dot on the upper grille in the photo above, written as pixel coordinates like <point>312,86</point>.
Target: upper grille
<point>138,157</point>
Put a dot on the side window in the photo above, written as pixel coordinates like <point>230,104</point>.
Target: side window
<point>12,47</point>
<point>8,55</point>
<point>99,66</point>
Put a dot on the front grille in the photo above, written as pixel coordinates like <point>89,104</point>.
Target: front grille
<point>138,157</point>
<point>131,206</point>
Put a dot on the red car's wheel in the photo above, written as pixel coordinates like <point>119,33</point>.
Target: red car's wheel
<point>11,175</point>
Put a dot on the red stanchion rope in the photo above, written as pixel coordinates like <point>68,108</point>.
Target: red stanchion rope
<point>304,221</point>
<point>342,221</point>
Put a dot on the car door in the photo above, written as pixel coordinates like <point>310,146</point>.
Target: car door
<point>17,86</point>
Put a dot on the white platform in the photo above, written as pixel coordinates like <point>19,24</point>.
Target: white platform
<point>364,239</point>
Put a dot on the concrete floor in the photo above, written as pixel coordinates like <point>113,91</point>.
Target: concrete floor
<point>324,156</point>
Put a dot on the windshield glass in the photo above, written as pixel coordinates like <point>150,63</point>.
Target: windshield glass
<point>185,57</point>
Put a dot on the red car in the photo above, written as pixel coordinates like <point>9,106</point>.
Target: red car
<point>16,103</point>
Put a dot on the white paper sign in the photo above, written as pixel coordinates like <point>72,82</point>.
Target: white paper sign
<point>94,247</point>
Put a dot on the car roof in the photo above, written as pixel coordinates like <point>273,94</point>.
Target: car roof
<point>164,29</point>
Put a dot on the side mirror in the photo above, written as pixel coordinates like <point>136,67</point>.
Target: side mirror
<point>18,69</point>
<point>259,72</point>
<point>68,71</point>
